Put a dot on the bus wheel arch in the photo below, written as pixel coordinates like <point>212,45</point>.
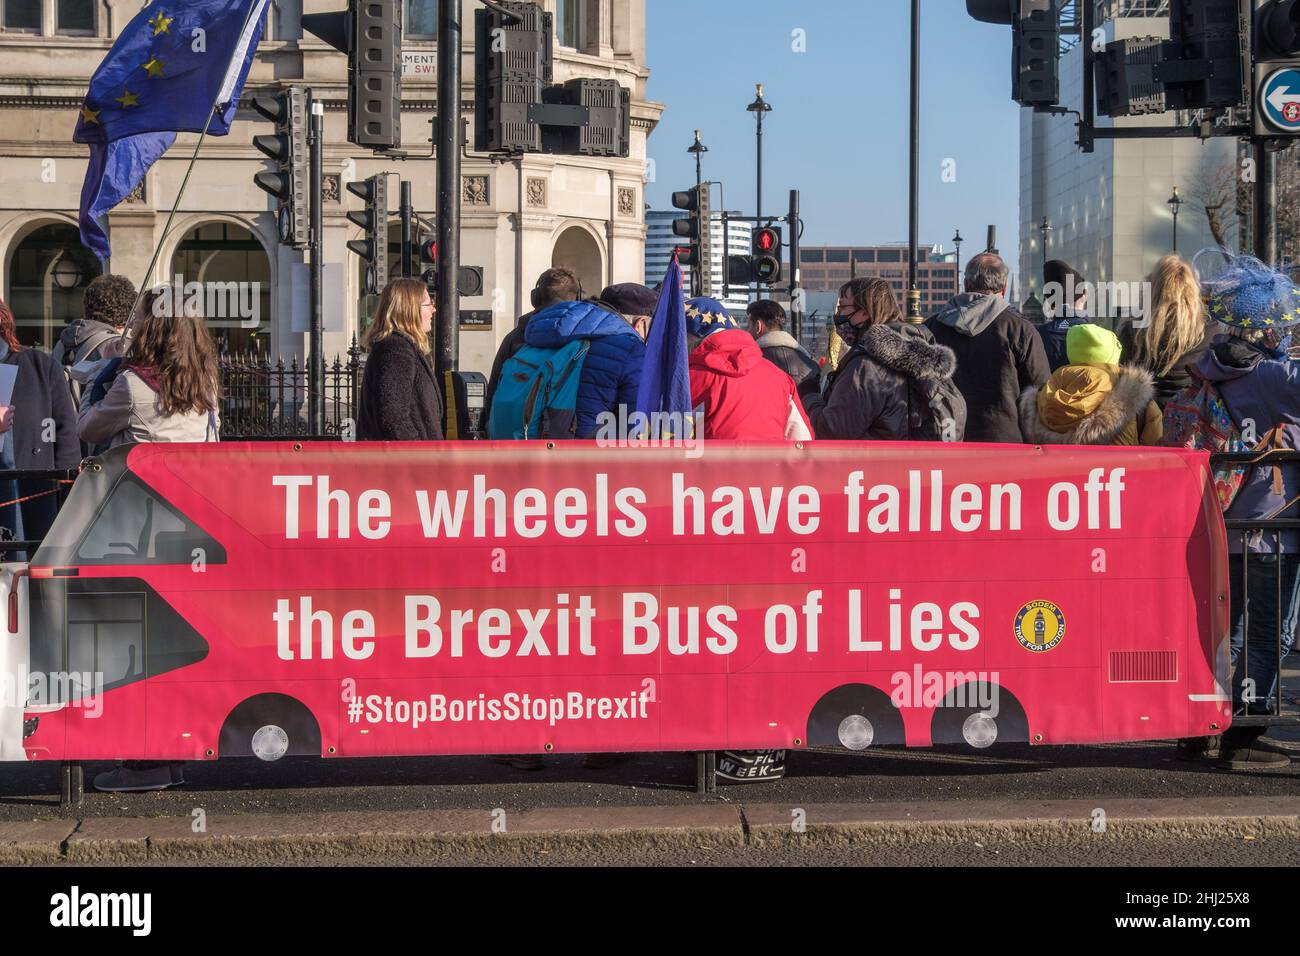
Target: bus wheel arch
<point>855,717</point>
<point>270,726</point>
<point>961,720</point>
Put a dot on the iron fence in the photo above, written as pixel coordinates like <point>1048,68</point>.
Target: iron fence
<point>261,400</point>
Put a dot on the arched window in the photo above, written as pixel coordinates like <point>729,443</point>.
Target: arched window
<point>228,266</point>
<point>48,272</point>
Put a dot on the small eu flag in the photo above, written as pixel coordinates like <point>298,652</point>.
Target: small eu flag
<point>666,378</point>
<point>178,66</point>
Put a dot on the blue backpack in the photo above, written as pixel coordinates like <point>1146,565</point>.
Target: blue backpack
<point>537,396</point>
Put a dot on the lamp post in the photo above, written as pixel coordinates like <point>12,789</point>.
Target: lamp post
<point>1045,227</point>
<point>957,240</point>
<point>1175,203</point>
<point>914,172</point>
<point>758,108</point>
<point>698,149</point>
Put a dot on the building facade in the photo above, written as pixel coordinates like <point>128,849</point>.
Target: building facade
<point>660,243</point>
<point>520,216</point>
<point>1107,212</point>
<point>827,268</point>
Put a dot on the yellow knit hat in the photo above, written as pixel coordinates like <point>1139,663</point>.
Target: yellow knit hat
<point>1088,344</point>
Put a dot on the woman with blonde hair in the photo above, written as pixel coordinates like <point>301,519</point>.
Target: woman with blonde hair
<point>399,391</point>
<point>1175,331</point>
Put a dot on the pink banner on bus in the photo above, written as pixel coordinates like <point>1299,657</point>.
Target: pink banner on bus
<point>368,599</point>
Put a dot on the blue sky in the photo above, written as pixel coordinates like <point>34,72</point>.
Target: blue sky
<point>839,126</point>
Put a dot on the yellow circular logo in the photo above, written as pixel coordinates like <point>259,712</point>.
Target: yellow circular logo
<point>1040,625</point>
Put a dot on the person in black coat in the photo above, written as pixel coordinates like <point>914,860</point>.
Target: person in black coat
<point>44,433</point>
<point>1065,298</point>
<point>400,398</point>
<point>767,324</point>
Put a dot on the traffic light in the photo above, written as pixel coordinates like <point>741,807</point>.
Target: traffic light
<point>1277,69</point>
<point>288,148</point>
<point>765,249</point>
<point>374,220</point>
<point>1035,45</point>
<point>370,33</point>
<point>512,65</point>
<point>1206,57</point>
<point>469,279</point>
<point>697,228</point>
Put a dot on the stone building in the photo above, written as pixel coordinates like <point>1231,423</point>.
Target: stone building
<point>520,216</point>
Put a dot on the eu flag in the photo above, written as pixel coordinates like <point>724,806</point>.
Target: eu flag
<point>666,379</point>
<point>168,68</point>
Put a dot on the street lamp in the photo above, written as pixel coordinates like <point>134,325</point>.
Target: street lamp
<point>1045,227</point>
<point>1175,203</point>
<point>66,273</point>
<point>698,149</point>
<point>758,108</point>
<point>957,240</point>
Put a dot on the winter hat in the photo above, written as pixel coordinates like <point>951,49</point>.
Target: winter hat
<point>1057,270</point>
<point>1250,295</point>
<point>1089,344</point>
<point>705,316</point>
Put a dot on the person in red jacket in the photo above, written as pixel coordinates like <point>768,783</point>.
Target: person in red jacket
<point>742,395</point>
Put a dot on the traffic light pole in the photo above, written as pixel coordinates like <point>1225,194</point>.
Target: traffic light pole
<point>796,303</point>
<point>408,214</point>
<point>316,370</point>
<point>448,295</point>
<point>1265,202</point>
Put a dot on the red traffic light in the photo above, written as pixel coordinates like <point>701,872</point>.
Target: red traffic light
<point>429,251</point>
<point>766,240</point>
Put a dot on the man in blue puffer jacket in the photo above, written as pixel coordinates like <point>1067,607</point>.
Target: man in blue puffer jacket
<point>611,373</point>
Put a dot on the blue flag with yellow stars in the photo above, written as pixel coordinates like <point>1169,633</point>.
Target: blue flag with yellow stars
<point>168,68</point>
<point>666,377</point>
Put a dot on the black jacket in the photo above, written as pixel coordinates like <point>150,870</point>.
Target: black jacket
<point>999,355</point>
<point>512,343</point>
<point>1178,378</point>
<point>41,398</point>
<point>1053,333</point>
<point>783,351</point>
<point>40,395</point>
<point>868,396</point>
<point>400,399</point>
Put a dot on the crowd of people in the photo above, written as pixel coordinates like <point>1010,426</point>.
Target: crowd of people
<point>977,371</point>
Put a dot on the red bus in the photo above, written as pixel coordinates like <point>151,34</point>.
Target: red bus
<point>340,599</point>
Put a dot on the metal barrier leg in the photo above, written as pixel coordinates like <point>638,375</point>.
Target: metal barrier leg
<point>706,772</point>
<point>72,784</point>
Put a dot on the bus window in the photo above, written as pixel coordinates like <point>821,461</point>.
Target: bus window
<point>135,526</point>
<point>106,636</point>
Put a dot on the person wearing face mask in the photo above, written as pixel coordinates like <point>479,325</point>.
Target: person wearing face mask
<point>400,399</point>
<point>883,386</point>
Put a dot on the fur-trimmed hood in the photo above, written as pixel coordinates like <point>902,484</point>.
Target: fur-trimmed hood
<point>776,339</point>
<point>909,350</point>
<point>1100,402</point>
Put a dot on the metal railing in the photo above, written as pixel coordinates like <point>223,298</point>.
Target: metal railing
<point>1267,706</point>
<point>263,401</point>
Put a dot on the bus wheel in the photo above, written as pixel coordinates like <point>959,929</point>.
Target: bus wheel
<point>270,726</point>
<point>979,715</point>
<point>855,717</point>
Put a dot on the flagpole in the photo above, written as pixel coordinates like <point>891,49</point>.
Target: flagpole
<point>185,181</point>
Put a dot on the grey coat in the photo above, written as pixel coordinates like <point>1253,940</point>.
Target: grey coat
<point>868,395</point>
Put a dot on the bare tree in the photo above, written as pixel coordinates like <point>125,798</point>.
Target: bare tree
<point>1214,191</point>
